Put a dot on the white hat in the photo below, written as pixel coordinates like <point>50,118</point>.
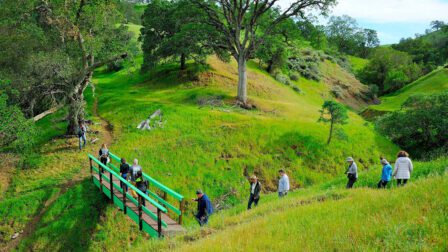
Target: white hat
<point>350,159</point>
<point>384,161</point>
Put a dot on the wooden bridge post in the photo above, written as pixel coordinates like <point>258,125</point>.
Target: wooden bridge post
<point>140,222</point>
<point>91,167</point>
<point>159,222</point>
<point>181,208</point>
<point>124,198</point>
<point>101,178</point>
<point>111,187</point>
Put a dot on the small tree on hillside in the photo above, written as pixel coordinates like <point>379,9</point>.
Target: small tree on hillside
<point>239,23</point>
<point>333,113</point>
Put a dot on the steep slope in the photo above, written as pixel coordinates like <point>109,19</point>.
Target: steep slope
<point>214,146</point>
<point>432,83</point>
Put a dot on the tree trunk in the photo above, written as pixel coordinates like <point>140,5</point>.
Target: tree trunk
<point>242,81</point>
<point>75,114</point>
<point>331,133</point>
<point>182,62</point>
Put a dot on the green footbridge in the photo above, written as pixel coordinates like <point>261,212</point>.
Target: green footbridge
<point>155,213</point>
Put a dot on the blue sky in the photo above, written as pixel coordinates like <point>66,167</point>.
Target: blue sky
<point>394,19</point>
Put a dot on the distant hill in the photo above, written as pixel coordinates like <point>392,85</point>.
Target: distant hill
<point>433,82</point>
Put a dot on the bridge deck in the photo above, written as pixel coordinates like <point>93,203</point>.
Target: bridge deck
<point>132,211</point>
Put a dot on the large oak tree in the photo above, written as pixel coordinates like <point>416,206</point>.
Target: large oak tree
<point>239,22</point>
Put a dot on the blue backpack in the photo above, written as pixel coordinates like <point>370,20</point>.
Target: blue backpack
<point>208,205</point>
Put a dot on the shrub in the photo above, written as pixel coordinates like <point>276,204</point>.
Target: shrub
<point>337,92</point>
<point>294,77</point>
<point>421,126</point>
<point>282,78</point>
<point>306,63</point>
<point>297,89</point>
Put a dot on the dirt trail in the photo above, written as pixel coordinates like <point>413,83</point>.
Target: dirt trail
<point>105,136</point>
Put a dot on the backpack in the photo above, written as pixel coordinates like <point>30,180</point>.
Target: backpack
<point>80,132</point>
<point>209,207</point>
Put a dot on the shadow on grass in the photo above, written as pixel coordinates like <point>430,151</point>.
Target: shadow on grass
<point>69,222</point>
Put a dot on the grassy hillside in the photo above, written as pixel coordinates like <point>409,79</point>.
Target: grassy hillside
<point>432,83</point>
<point>357,63</point>
<point>325,217</point>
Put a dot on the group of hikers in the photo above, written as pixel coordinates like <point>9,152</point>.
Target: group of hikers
<point>401,172</point>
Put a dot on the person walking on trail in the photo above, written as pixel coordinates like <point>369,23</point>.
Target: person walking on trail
<point>124,172</point>
<point>403,168</point>
<point>104,155</point>
<point>82,129</point>
<point>283,184</point>
<point>255,189</point>
<point>141,184</point>
<point>386,174</point>
<point>205,208</point>
<point>133,172</point>
<point>352,172</point>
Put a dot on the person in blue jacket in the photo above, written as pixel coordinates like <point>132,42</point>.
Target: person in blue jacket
<point>386,174</point>
<point>205,208</point>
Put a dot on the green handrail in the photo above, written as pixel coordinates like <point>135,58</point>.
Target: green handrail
<point>159,185</point>
<point>146,197</point>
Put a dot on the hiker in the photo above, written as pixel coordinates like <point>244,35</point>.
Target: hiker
<point>403,168</point>
<point>205,208</point>
<point>283,184</point>
<point>124,170</point>
<point>104,155</point>
<point>133,172</point>
<point>255,189</point>
<point>352,172</point>
<point>386,174</point>
<point>141,184</point>
<point>82,129</point>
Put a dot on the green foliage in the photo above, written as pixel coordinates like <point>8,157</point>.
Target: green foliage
<point>176,30</point>
<point>429,50</point>
<point>15,130</point>
<point>333,113</point>
<point>434,82</point>
<point>421,126</point>
<point>390,70</point>
<point>306,62</point>
<point>344,34</point>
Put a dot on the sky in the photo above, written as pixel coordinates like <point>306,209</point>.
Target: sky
<point>392,19</point>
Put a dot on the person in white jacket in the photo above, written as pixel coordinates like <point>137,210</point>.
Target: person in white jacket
<point>403,168</point>
<point>283,184</point>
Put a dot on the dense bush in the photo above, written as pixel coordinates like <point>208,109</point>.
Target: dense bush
<point>297,89</point>
<point>421,126</point>
<point>390,70</point>
<point>282,78</point>
<point>294,77</point>
<point>337,91</point>
<point>307,64</point>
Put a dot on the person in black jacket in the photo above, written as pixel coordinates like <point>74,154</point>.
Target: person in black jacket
<point>124,171</point>
<point>141,184</point>
<point>255,189</point>
<point>204,208</point>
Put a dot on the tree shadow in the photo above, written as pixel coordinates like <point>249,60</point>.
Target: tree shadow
<point>69,222</point>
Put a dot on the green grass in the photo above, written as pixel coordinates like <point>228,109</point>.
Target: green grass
<point>323,218</point>
<point>357,63</point>
<point>432,83</point>
<point>214,148</point>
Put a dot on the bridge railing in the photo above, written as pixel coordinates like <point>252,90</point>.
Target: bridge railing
<point>121,188</point>
<point>163,191</point>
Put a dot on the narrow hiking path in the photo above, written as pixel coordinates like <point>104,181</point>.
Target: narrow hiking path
<point>103,131</point>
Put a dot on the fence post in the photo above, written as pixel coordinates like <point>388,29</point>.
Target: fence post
<point>91,167</point>
<point>101,178</point>
<point>140,222</point>
<point>159,222</point>
<point>124,198</point>
<point>181,211</point>
<point>111,187</point>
